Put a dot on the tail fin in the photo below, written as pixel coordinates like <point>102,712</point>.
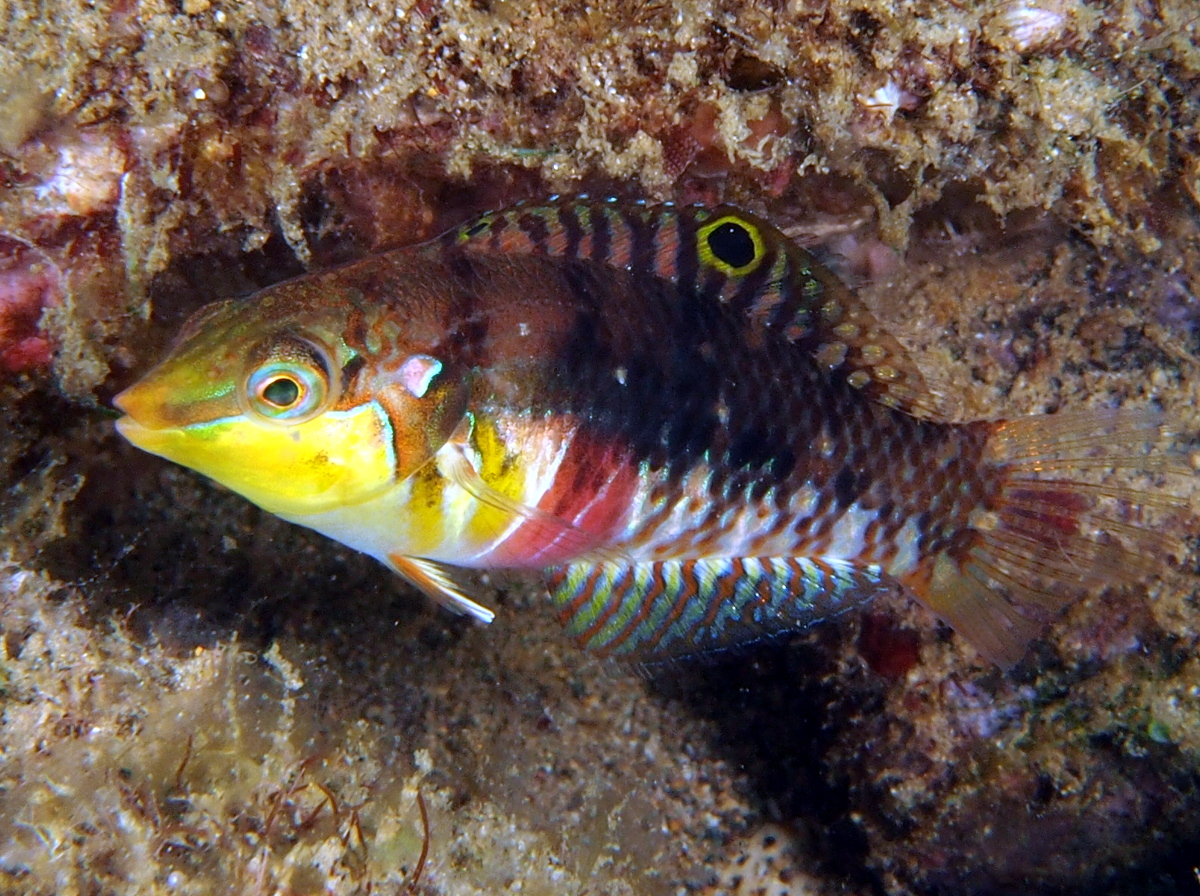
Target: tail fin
<point>1061,524</point>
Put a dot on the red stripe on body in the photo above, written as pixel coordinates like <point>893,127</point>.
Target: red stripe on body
<point>585,637</point>
<point>592,492</point>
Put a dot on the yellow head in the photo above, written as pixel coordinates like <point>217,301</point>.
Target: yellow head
<point>269,398</point>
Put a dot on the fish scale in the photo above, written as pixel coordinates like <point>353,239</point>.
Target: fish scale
<point>697,431</point>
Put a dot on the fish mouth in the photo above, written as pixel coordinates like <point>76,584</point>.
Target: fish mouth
<point>130,428</point>
<point>144,437</point>
<point>155,435</point>
<point>146,406</point>
<point>138,423</point>
<point>121,403</point>
<point>125,401</point>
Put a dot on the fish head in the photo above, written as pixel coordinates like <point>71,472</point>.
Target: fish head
<point>268,397</point>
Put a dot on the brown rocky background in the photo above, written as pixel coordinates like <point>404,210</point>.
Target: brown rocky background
<point>197,698</point>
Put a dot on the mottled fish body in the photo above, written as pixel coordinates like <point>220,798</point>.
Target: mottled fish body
<point>699,433</point>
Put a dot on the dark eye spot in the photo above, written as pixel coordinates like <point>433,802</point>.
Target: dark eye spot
<point>476,229</point>
<point>282,392</point>
<point>732,244</point>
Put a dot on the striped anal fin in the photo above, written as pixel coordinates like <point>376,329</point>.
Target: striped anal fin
<point>657,610</point>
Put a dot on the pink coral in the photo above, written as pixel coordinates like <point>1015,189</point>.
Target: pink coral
<point>29,283</point>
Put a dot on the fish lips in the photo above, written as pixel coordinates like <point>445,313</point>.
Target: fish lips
<point>129,426</point>
<point>145,424</point>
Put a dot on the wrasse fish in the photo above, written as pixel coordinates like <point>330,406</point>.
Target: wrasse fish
<point>698,432</point>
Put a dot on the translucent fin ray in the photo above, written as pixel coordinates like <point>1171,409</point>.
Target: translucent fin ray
<point>1047,536</point>
<point>454,464</point>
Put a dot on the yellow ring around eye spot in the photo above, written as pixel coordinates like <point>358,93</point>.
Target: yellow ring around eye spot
<point>476,228</point>
<point>748,231</point>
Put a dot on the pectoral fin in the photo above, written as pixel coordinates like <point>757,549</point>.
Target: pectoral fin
<point>652,611</point>
<point>543,529</point>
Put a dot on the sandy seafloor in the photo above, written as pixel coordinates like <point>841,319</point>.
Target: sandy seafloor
<point>196,697</point>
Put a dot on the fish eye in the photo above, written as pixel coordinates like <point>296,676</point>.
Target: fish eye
<point>291,386</point>
<point>282,392</point>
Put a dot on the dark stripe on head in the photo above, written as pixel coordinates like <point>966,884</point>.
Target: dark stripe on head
<point>356,331</point>
<point>796,308</point>
<point>752,285</point>
<point>350,370</point>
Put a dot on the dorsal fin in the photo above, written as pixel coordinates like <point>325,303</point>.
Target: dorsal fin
<point>731,255</point>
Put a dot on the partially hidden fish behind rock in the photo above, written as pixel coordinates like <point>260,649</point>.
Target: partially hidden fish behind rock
<point>698,433</point>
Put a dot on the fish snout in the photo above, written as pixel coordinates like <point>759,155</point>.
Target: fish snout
<point>141,405</point>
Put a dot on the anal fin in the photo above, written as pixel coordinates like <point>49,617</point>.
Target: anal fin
<point>429,578</point>
<point>657,610</point>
